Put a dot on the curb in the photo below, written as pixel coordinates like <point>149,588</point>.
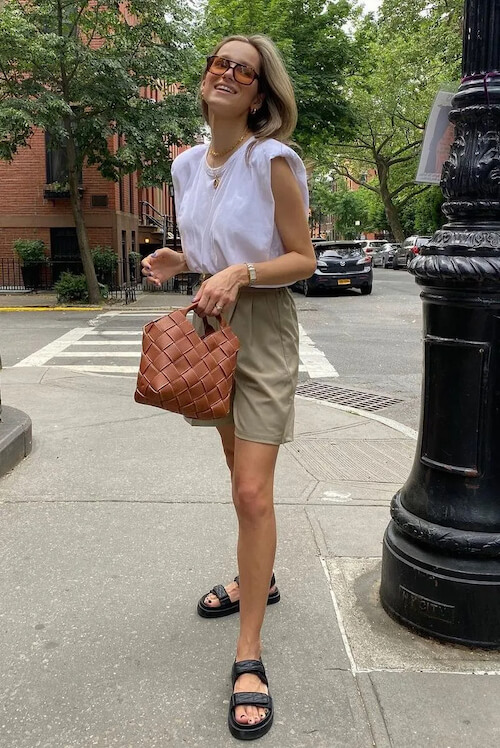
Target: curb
<point>406,430</point>
<point>15,438</point>
<point>50,308</point>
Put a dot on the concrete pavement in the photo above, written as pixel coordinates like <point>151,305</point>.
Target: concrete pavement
<point>121,518</point>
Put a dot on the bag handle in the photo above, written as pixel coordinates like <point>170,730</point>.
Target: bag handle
<point>206,325</point>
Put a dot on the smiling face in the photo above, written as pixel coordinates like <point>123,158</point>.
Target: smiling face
<point>223,94</point>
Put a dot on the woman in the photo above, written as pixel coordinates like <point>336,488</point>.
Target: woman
<point>242,211</point>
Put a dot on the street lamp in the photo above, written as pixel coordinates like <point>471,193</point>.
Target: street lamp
<point>441,554</point>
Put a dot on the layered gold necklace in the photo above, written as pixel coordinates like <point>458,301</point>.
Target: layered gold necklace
<point>218,170</point>
<point>218,154</point>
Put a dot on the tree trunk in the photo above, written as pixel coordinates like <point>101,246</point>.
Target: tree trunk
<point>391,210</point>
<point>81,230</point>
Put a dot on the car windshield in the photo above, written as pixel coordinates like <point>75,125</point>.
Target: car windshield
<point>339,250</point>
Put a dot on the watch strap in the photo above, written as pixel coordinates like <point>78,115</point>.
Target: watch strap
<point>252,275</point>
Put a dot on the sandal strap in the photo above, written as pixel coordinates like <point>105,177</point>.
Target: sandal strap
<point>251,698</point>
<point>249,666</point>
<point>220,591</point>
<point>273,580</point>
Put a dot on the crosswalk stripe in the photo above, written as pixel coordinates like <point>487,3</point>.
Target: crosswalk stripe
<point>109,342</point>
<point>315,361</point>
<point>105,369</point>
<point>98,354</point>
<point>114,332</point>
<point>312,360</point>
<point>40,357</point>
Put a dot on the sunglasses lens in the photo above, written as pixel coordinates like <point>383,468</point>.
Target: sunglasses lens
<point>244,74</point>
<point>218,65</point>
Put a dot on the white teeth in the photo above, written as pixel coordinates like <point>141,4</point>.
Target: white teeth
<point>223,88</point>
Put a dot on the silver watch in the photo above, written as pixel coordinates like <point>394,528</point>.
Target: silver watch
<point>252,275</point>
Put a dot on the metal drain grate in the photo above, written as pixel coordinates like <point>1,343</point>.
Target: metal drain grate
<point>342,396</point>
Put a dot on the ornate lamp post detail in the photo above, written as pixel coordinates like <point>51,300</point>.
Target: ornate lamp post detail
<point>441,556</point>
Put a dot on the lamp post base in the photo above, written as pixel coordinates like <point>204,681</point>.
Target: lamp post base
<point>452,598</point>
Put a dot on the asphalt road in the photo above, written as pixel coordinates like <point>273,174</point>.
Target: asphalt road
<point>373,342</point>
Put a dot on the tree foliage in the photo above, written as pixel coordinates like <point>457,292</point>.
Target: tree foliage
<point>78,69</point>
<point>412,48</point>
<point>311,37</point>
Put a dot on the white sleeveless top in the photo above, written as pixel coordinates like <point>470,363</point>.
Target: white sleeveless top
<point>235,222</point>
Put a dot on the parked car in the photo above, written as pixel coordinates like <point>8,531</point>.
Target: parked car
<point>410,248</point>
<point>370,245</point>
<point>384,255</point>
<point>341,264</point>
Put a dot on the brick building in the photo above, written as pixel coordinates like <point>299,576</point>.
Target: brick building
<point>117,214</point>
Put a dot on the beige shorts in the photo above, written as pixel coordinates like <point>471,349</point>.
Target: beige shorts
<point>265,321</point>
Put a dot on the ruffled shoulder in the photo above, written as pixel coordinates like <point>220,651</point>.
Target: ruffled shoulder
<point>263,153</point>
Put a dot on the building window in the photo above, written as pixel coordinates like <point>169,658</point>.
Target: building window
<point>56,162</point>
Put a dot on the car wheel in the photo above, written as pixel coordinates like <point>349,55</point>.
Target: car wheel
<point>307,288</point>
<point>366,290</point>
<point>395,265</point>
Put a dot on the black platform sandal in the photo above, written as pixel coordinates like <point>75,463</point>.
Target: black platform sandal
<point>226,607</point>
<point>250,698</point>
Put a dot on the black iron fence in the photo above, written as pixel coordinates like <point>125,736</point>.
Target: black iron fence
<point>121,281</point>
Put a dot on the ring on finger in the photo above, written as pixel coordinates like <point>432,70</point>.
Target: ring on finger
<point>219,307</point>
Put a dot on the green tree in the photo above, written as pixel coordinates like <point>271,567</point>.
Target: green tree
<point>78,70</point>
<point>411,49</point>
<point>312,39</point>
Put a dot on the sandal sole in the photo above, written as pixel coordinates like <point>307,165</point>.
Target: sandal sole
<point>206,612</point>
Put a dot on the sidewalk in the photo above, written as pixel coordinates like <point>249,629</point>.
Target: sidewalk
<point>121,518</point>
<point>145,299</point>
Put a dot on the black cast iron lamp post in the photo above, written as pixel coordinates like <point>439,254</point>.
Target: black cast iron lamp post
<point>441,554</point>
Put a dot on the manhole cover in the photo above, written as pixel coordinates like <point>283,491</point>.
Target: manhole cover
<point>343,396</point>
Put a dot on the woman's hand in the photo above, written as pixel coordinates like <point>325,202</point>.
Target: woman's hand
<point>220,291</point>
<point>162,265</point>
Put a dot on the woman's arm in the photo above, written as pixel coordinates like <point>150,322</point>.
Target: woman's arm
<point>298,261</point>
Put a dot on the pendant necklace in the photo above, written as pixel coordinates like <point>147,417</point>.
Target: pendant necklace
<point>216,172</point>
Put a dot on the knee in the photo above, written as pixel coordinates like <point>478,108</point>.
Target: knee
<point>253,503</point>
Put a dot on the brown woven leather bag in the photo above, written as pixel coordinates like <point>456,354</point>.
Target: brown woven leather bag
<point>183,372</point>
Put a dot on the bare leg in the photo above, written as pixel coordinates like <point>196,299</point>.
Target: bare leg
<point>253,478</point>
<point>227,438</point>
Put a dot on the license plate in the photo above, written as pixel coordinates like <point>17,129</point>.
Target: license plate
<point>344,282</point>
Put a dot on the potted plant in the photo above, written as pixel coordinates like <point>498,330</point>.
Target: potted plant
<point>56,189</point>
<point>31,252</point>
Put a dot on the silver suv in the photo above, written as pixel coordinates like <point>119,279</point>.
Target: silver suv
<point>410,248</point>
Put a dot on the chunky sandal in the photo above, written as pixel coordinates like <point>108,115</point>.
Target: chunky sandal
<point>250,698</point>
<point>226,607</point>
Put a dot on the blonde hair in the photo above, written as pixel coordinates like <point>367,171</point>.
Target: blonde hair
<point>277,117</point>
